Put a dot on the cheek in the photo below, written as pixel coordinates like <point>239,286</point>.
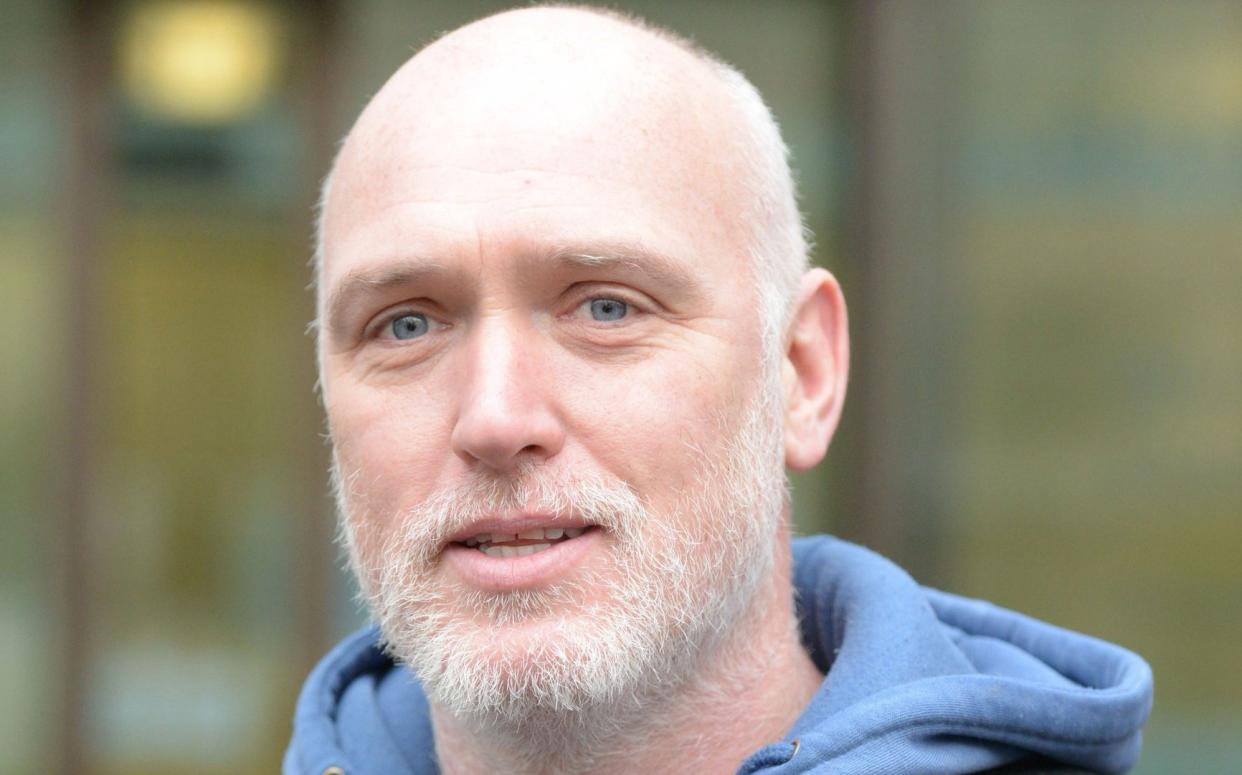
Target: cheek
<point>653,425</point>
<point>391,442</point>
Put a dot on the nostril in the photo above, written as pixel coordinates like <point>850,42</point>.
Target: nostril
<point>506,439</point>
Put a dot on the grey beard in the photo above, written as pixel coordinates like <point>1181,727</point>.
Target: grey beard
<point>682,582</point>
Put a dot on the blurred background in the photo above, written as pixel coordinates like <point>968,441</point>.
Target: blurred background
<point>1035,210</point>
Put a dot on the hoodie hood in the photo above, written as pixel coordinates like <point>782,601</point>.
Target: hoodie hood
<point>917,680</point>
<point>923,681</point>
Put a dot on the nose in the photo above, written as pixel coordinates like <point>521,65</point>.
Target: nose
<point>507,416</point>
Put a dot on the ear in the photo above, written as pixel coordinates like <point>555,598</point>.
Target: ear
<point>815,369</point>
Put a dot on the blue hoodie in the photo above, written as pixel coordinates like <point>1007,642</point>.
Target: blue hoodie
<point>917,681</point>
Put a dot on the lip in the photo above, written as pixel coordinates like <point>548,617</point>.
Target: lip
<point>516,524</point>
<point>505,574</point>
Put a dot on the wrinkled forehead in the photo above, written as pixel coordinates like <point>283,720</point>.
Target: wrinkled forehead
<point>597,101</point>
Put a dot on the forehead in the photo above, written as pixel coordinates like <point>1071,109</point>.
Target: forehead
<point>550,147</point>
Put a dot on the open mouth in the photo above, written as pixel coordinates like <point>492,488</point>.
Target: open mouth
<point>522,544</point>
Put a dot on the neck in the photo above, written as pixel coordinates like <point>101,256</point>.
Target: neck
<point>744,694</point>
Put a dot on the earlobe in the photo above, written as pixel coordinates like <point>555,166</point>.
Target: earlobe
<point>815,369</point>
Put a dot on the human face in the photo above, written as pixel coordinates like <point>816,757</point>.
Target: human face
<point>545,325</point>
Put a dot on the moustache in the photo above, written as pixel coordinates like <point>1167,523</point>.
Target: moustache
<point>605,502</point>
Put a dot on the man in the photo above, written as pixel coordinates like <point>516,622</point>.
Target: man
<point>568,343</point>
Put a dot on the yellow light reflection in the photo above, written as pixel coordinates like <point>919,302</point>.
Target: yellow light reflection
<point>200,61</point>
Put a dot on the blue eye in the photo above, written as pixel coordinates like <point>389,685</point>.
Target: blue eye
<point>608,309</point>
<point>410,326</point>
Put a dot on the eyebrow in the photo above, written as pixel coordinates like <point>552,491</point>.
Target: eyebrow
<point>671,276</point>
<point>368,281</point>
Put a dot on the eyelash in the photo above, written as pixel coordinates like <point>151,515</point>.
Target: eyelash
<point>635,305</point>
<point>382,326</point>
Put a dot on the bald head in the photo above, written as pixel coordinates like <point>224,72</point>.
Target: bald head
<point>523,63</point>
<point>612,94</point>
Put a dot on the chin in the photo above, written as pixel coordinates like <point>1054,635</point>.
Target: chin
<point>527,656</point>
